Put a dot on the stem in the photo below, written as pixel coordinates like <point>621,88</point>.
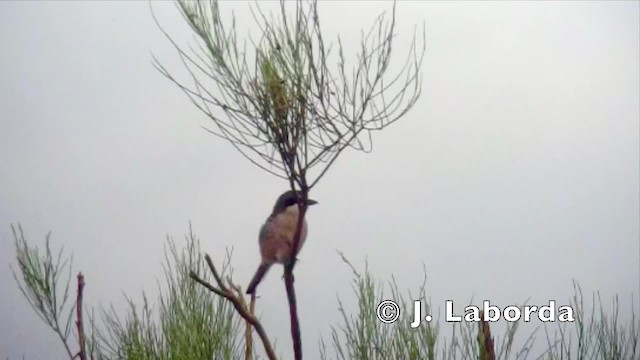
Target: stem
<point>293,313</point>
<point>81,341</point>
<point>288,273</point>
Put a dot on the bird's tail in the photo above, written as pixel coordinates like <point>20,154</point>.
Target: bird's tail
<point>262,270</point>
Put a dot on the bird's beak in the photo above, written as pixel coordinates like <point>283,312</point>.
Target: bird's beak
<point>311,202</point>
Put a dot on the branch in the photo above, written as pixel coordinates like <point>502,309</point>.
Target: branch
<point>82,354</point>
<point>485,340</point>
<point>248,333</point>
<point>293,313</point>
<point>281,97</point>
<point>288,271</point>
<point>39,282</point>
<point>237,300</point>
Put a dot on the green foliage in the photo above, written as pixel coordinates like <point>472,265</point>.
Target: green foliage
<point>192,323</point>
<point>362,336</point>
<point>40,282</point>
<point>133,338</point>
<point>599,333</point>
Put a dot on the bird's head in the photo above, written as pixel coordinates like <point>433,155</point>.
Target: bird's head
<point>287,199</point>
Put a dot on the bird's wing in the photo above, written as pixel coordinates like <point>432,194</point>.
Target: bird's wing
<point>264,231</point>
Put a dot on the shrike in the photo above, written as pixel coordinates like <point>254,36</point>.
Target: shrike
<point>276,235</point>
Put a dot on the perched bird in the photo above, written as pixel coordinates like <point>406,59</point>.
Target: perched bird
<point>276,235</point>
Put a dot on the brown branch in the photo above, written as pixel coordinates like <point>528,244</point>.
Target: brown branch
<point>237,300</point>
<point>248,335</point>
<point>293,313</point>
<point>82,354</point>
<point>485,340</point>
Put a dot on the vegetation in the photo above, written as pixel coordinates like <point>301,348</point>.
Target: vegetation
<point>291,104</point>
<point>192,323</point>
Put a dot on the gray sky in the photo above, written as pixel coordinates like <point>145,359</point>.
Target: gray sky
<point>516,172</point>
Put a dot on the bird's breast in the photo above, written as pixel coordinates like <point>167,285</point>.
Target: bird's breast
<point>286,223</point>
<point>276,236</point>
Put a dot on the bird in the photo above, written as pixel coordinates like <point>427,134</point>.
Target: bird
<point>276,235</point>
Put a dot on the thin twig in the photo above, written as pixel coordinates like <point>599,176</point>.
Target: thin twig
<point>82,353</point>
<point>485,340</point>
<point>248,332</point>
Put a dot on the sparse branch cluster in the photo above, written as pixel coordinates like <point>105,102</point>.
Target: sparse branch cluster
<point>283,104</point>
<point>44,281</point>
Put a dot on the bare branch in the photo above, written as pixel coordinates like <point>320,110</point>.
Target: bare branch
<point>82,353</point>
<point>237,300</point>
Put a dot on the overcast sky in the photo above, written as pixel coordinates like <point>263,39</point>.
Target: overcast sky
<point>516,171</point>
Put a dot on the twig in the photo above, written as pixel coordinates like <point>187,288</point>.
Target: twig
<point>289,279</point>
<point>248,332</point>
<point>293,313</point>
<point>82,353</point>
<point>485,340</point>
<point>238,303</point>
